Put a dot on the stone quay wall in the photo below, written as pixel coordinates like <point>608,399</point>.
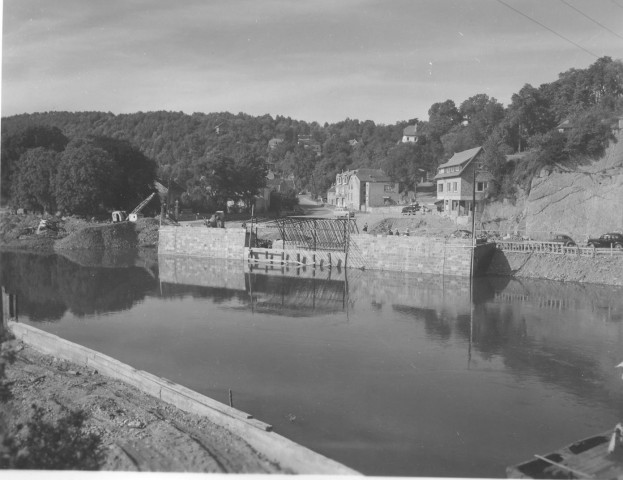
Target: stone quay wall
<point>417,254</point>
<point>427,255</point>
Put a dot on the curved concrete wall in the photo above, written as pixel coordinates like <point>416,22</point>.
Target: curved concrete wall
<point>258,434</point>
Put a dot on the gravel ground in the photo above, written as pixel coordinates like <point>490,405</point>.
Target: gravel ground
<point>138,432</point>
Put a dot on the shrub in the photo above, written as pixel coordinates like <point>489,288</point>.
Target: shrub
<point>52,446</point>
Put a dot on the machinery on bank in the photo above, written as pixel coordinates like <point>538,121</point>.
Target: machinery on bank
<point>122,216</point>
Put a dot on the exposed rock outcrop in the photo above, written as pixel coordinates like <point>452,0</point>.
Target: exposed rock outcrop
<point>585,202</point>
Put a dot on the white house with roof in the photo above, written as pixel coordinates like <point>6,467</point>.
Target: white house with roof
<point>363,188</point>
<point>409,134</point>
<point>455,182</point>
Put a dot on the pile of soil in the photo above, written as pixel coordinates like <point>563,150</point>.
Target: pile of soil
<point>138,432</point>
<point>73,233</point>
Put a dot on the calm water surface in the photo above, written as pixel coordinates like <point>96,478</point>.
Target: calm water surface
<point>390,374</point>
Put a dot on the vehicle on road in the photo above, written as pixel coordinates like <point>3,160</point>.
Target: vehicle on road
<point>411,209</point>
<point>343,212</point>
<point>467,234</point>
<point>607,240</point>
<point>565,240</point>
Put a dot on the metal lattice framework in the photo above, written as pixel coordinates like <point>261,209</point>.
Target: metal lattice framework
<point>316,233</point>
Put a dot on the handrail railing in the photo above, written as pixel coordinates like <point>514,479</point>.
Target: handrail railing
<point>554,248</point>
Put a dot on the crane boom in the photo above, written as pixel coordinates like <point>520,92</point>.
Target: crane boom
<point>142,205</point>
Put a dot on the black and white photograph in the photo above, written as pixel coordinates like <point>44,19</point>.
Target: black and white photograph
<point>375,238</point>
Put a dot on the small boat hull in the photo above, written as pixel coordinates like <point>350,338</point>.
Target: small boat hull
<point>587,458</point>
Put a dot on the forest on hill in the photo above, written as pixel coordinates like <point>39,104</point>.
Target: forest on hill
<point>217,156</point>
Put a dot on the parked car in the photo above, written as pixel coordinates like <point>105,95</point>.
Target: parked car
<point>411,209</point>
<point>607,240</point>
<point>343,212</point>
<point>461,234</point>
<point>565,240</point>
<point>467,234</point>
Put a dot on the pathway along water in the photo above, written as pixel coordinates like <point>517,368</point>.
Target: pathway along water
<point>390,374</point>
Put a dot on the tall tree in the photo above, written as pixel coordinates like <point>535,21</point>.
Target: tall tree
<point>16,143</point>
<point>134,172</point>
<point>84,179</point>
<point>33,182</point>
<point>442,116</point>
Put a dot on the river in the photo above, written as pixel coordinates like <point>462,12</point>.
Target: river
<point>388,373</point>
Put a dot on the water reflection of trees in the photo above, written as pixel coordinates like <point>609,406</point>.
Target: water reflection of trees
<point>217,295</point>
<point>496,326</point>
<point>49,285</point>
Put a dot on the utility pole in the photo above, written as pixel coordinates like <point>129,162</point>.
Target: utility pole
<point>473,225</point>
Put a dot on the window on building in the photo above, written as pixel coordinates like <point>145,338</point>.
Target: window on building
<point>481,186</point>
<point>389,188</point>
<point>454,186</point>
<point>440,187</point>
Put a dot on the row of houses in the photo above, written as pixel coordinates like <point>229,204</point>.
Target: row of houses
<point>458,182</point>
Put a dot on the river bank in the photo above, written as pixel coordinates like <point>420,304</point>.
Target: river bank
<point>81,235</point>
<point>138,432</point>
<point>142,422</point>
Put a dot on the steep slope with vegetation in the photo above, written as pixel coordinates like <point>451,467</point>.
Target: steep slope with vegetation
<point>217,157</point>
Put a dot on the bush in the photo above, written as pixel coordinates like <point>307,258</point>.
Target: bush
<point>52,446</point>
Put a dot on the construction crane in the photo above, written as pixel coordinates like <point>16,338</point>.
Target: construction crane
<point>122,216</point>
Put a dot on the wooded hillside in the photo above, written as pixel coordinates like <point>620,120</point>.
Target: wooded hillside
<point>201,152</point>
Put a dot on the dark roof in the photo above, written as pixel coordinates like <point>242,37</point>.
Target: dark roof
<point>410,130</point>
<point>371,175</point>
<point>460,158</point>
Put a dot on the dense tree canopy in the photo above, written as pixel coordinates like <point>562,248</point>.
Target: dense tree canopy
<point>83,180</point>
<point>204,152</point>
<point>33,184</point>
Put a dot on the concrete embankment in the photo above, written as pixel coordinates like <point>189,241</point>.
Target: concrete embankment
<point>257,434</point>
<point>604,268</point>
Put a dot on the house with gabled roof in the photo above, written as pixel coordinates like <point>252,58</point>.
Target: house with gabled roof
<point>564,126</point>
<point>460,180</point>
<point>409,134</point>
<point>365,187</point>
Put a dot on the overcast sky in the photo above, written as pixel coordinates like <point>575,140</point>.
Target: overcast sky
<point>322,60</point>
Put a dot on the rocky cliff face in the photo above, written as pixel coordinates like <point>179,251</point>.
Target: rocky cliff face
<point>585,202</point>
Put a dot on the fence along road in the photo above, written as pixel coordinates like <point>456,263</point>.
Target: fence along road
<point>555,248</point>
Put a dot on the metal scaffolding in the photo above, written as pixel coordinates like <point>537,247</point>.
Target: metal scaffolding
<point>317,233</point>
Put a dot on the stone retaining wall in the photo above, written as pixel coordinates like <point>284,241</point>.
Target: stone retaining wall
<point>417,254</point>
<point>202,242</point>
<point>374,252</point>
<point>602,269</point>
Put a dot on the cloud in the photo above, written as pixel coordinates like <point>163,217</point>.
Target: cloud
<point>314,57</point>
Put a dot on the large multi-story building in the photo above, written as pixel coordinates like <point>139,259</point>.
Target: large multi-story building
<point>363,188</point>
<point>455,182</point>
